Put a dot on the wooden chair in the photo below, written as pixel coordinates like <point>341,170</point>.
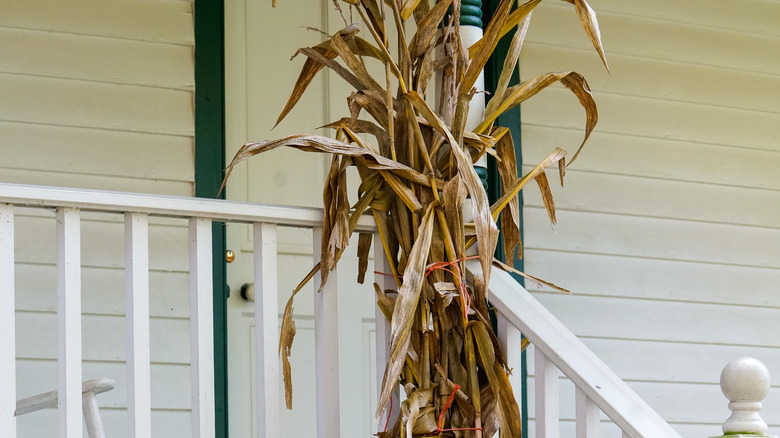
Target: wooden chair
<point>89,389</point>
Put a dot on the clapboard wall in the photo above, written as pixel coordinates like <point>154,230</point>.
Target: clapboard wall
<point>99,95</point>
<point>669,225</point>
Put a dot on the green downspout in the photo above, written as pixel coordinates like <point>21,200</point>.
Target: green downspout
<point>510,119</point>
<point>209,165</point>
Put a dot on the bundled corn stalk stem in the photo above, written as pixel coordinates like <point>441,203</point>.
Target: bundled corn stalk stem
<point>416,164</point>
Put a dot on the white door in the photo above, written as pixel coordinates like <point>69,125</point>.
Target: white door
<point>259,77</point>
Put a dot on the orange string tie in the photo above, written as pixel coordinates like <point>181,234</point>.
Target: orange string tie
<point>464,293</point>
<point>440,423</point>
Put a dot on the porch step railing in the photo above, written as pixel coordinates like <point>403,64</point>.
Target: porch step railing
<point>598,388</point>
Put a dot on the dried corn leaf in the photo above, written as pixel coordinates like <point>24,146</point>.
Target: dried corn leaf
<point>427,28</point>
<point>510,219</point>
<point>536,280</point>
<point>487,232</point>
<point>547,197</point>
<point>385,302</point>
<point>591,24</point>
<point>287,335</point>
<point>364,246</point>
<point>519,93</point>
<point>487,45</point>
<point>317,143</point>
<point>310,69</point>
<point>408,8</point>
<point>406,303</point>
<point>510,61</point>
<point>512,191</point>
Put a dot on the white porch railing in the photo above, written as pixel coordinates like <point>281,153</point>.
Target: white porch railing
<point>598,388</point>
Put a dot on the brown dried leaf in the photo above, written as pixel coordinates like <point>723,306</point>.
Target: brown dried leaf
<point>547,197</point>
<point>318,143</point>
<point>536,280</point>
<point>287,335</point>
<point>408,8</point>
<point>406,303</point>
<point>310,69</point>
<point>427,28</point>
<point>510,61</point>
<point>510,219</point>
<point>385,302</point>
<point>486,46</point>
<point>591,24</point>
<point>515,188</point>
<point>364,246</point>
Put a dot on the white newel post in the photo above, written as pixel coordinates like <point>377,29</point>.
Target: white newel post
<point>745,382</point>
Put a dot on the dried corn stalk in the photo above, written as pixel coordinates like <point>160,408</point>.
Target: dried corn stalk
<point>416,171</point>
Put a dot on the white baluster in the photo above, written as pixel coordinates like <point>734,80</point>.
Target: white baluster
<point>266,330</point>
<point>326,349</point>
<point>546,392</point>
<point>511,339</point>
<point>385,281</point>
<point>139,414</point>
<point>7,323</point>
<point>201,328</point>
<point>588,416</point>
<point>745,382</point>
<point>69,321</point>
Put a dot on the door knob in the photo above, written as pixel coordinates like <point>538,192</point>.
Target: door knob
<point>230,256</point>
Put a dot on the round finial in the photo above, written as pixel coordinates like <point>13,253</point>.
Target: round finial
<point>745,382</point>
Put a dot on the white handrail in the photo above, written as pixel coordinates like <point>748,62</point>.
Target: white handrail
<point>588,373</point>
<point>170,206</point>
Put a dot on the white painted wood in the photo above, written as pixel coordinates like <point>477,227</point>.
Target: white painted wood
<point>215,209</point>
<point>547,398</point>
<point>588,416</point>
<point>569,354</point>
<point>7,323</point>
<point>326,348</point>
<point>202,328</point>
<point>512,340</point>
<point>745,382</point>
<point>96,105</point>
<point>147,20</point>
<point>69,321</point>
<point>266,331</point>
<point>49,399</point>
<point>139,418</point>
<point>124,61</point>
<point>142,156</point>
<point>385,281</point>
<point>92,419</point>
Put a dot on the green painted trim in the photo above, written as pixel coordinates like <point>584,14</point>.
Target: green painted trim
<point>209,165</point>
<point>510,119</point>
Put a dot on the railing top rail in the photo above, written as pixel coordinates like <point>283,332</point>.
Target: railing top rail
<point>549,336</point>
<point>162,205</point>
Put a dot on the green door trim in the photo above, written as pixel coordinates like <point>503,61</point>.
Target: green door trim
<point>209,166</point>
<point>510,119</point>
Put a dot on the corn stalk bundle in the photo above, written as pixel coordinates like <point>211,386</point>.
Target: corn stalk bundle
<point>416,161</point>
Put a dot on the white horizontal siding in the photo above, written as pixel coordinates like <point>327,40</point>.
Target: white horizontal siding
<point>668,226</point>
<point>99,95</point>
